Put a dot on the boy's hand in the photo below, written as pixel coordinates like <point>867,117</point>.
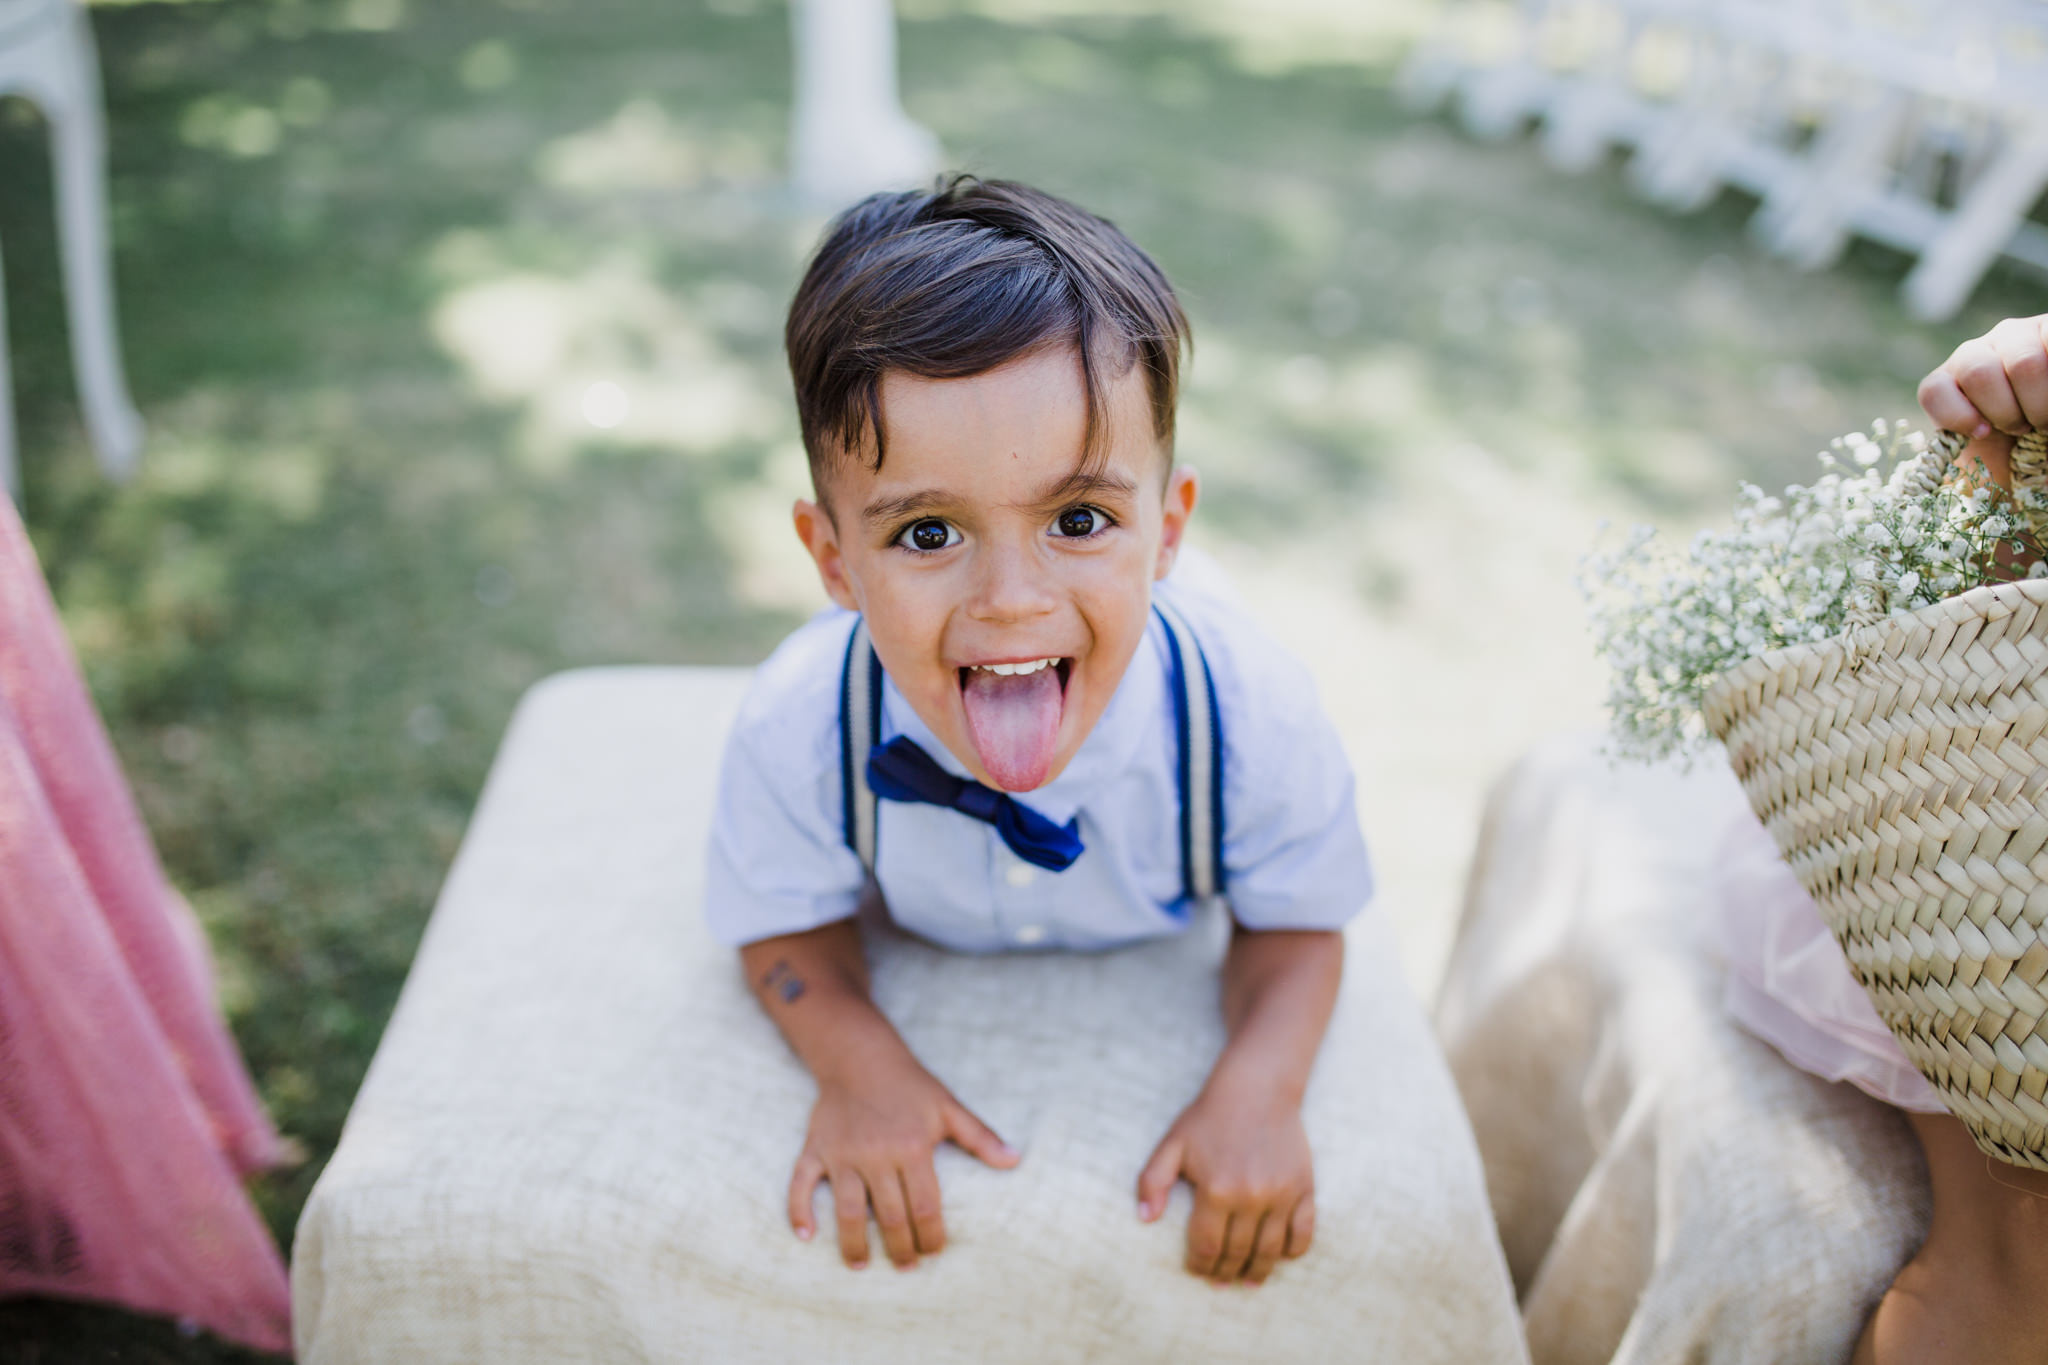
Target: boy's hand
<point>879,1112</point>
<point>872,1134</point>
<point>1993,389</point>
<point>1244,1150</point>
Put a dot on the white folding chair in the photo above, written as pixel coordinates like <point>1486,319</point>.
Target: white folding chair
<point>1928,121</point>
<point>47,56</point>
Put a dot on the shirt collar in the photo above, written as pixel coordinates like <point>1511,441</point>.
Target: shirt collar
<point>1136,709</point>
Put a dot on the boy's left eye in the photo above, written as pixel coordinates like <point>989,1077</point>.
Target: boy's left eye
<point>1077,522</point>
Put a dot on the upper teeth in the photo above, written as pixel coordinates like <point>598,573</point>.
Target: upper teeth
<point>1008,670</point>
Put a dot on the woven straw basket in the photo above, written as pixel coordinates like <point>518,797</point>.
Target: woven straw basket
<point>1902,768</point>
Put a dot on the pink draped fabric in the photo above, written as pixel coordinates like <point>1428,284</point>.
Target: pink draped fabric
<point>126,1118</point>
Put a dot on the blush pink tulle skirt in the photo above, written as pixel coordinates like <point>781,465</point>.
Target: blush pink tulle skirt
<point>1789,983</point>
<point>126,1119</point>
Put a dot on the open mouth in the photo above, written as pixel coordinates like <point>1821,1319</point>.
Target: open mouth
<point>1063,667</point>
<point>1013,717</point>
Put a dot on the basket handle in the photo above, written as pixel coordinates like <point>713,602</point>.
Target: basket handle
<point>1925,474</point>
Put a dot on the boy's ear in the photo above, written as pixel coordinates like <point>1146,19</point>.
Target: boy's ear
<point>814,528</point>
<point>1183,491</point>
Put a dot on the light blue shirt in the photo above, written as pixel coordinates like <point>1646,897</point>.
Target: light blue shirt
<point>1293,855</point>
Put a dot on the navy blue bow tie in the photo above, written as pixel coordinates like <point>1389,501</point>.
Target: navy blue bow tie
<point>900,771</point>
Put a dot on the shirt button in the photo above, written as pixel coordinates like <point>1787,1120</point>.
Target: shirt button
<point>1021,874</point>
<point>1031,933</point>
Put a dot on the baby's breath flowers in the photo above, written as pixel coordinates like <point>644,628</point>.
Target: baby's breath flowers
<point>1790,571</point>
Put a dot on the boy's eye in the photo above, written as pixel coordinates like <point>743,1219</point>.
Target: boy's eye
<point>928,533</point>
<point>1080,521</point>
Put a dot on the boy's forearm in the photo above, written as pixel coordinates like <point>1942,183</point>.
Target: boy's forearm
<point>814,985</point>
<point>1279,987</point>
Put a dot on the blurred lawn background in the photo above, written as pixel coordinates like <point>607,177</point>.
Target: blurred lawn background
<point>456,327</point>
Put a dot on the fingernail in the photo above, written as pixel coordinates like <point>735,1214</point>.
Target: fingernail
<point>803,1234</point>
<point>1144,1210</point>
<point>1983,430</point>
<point>856,1265</point>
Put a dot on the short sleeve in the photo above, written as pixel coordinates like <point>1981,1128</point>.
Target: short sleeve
<point>778,861</point>
<point>1294,856</point>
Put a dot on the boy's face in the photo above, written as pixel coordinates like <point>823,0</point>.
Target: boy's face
<point>984,541</point>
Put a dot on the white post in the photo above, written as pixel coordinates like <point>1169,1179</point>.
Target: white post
<point>849,135</point>
<point>78,153</point>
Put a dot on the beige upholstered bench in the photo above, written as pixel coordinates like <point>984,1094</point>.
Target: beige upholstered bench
<point>574,1142</point>
<point>1668,1187</point>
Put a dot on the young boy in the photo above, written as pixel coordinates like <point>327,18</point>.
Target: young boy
<point>1021,739</point>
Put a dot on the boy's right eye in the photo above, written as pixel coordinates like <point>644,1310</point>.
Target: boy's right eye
<point>928,534</point>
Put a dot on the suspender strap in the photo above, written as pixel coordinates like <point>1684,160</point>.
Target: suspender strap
<point>860,730</point>
<point>1198,728</point>
<point>1198,725</point>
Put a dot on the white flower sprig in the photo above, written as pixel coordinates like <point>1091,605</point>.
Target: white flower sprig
<point>1789,571</point>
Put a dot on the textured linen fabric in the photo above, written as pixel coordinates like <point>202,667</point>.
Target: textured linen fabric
<point>126,1119</point>
<point>1291,844</point>
<point>1668,1187</point>
<point>575,1141</point>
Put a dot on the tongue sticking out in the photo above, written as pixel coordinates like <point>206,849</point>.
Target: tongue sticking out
<point>1014,723</point>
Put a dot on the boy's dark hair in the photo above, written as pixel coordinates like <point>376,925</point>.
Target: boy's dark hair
<point>956,281</point>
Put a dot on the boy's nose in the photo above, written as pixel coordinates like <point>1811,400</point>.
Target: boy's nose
<point>1010,586</point>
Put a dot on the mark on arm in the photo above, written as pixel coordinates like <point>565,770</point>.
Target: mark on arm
<point>782,981</point>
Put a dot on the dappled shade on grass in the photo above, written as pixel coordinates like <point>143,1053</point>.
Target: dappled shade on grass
<point>456,325</point>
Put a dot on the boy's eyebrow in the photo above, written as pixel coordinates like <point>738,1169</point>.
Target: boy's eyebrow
<point>1079,483</point>
<point>1083,481</point>
<point>886,510</point>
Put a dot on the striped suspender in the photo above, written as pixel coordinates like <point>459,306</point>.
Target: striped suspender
<point>860,729</point>
<point>1197,725</point>
<point>1199,728</point>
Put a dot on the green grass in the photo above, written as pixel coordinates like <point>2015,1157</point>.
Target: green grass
<point>371,254</point>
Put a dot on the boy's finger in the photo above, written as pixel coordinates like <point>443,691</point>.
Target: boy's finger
<point>1205,1237</point>
<point>803,1187</point>
<point>1980,372</point>
<point>977,1138</point>
<point>921,1192</point>
<point>892,1215</point>
<point>1267,1250</point>
<point>850,1202</point>
<point>1238,1241</point>
<point>1946,406</point>
<point>1301,1228</point>
<point>2023,349</point>
<point>1155,1182</point>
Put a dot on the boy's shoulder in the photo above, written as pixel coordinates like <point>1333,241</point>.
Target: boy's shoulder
<point>791,710</point>
<point>1258,681</point>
